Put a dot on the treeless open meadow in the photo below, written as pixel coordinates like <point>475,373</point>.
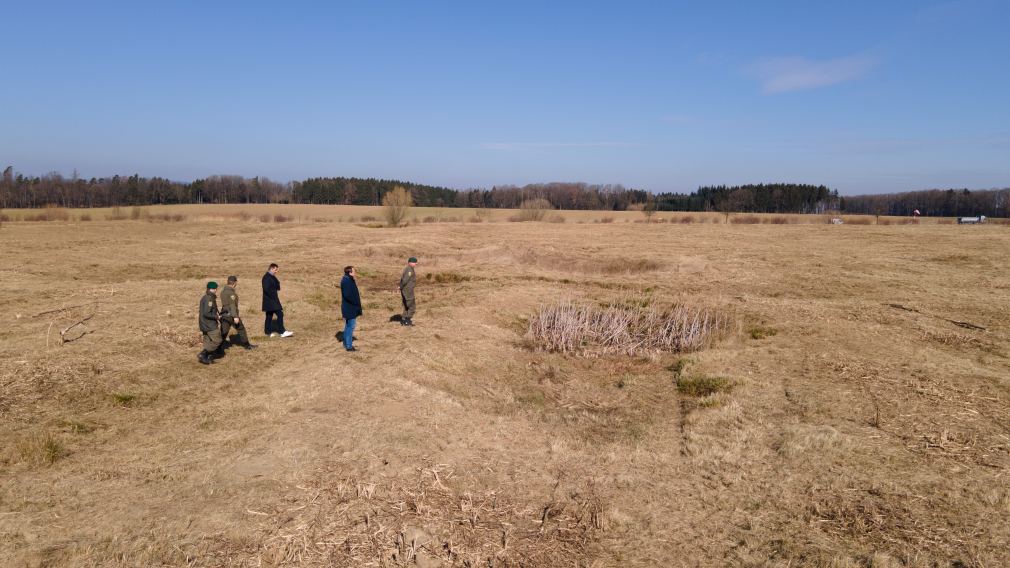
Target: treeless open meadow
<point>851,411</point>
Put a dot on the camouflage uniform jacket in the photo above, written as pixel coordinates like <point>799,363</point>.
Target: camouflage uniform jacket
<point>407,281</point>
<point>229,302</point>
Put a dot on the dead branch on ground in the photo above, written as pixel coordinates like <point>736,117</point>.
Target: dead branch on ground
<point>63,334</point>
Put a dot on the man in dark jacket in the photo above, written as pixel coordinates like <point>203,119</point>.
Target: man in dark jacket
<point>272,304</point>
<point>210,325</point>
<point>407,282</point>
<point>350,305</point>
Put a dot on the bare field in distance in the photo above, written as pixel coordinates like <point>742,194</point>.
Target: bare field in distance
<point>854,414</point>
<point>366,214</point>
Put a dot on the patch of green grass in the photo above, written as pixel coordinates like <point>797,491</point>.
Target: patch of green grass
<point>761,332</point>
<point>447,277</point>
<point>678,366</point>
<point>322,299</point>
<point>703,385</point>
<point>41,449</point>
<point>532,398</point>
<point>124,398</point>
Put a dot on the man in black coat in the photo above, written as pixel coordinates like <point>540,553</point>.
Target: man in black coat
<point>272,304</point>
<point>350,305</point>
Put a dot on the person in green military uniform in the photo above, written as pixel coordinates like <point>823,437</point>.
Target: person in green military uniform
<point>407,281</point>
<point>210,325</point>
<point>230,315</point>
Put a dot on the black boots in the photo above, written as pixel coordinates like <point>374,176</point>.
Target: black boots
<point>248,346</point>
<point>406,322</point>
<point>204,357</point>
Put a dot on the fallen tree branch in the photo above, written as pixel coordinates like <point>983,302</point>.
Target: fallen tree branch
<point>63,334</point>
<point>963,324</point>
<point>63,309</point>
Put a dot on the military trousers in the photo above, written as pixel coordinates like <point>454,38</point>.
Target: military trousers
<point>409,305</point>
<point>226,326</point>
<point>211,340</point>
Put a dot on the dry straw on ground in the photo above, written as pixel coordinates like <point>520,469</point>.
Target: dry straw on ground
<point>854,415</point>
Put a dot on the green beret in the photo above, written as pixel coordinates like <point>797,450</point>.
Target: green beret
<point>412,259</point>
<point>212,285</point>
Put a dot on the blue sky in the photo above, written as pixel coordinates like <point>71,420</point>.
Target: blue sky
<point>865,97</point>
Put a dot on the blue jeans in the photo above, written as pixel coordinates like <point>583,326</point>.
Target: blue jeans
<point>349,332</point>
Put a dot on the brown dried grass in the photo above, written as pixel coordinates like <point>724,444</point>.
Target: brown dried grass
<point>48,213</point>
<point>567,327</point>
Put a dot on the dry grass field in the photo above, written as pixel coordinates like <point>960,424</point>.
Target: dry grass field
<point>855,413</point>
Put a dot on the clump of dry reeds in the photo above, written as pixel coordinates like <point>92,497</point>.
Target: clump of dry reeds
<point>745,220</point>
<point>40,449</point>
<point>568,327</point>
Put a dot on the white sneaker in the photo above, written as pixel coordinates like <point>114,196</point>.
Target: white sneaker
<point>274,334</point>
<point>287,334</point>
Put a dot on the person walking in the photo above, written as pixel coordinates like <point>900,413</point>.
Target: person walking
<point>350,305</point>
<point>272,304</point>
<point>230,315</point>
<point>210,325</point>
<point>407,281</point>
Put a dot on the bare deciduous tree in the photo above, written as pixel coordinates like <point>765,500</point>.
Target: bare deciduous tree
<point>534,209</point>
<point>396,204</point>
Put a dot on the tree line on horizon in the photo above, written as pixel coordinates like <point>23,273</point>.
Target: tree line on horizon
<point>54,189</point>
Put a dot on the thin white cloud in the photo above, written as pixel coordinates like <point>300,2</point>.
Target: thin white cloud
<point>784,74</point>
<point>549,145</point>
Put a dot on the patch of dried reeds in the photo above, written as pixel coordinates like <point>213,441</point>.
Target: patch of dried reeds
<point>567,327</point>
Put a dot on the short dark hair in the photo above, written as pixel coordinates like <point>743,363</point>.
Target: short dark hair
<point>348,269</point>
<point>232,279</point>
<point>273,265</point>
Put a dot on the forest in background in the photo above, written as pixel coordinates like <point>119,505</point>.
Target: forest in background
<point>20,191</point>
